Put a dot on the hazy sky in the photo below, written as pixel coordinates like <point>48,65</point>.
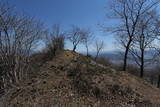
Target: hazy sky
<point>84,13</point>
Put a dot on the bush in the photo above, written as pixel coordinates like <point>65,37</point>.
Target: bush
<point>54,42</point>
<point>55,46</point>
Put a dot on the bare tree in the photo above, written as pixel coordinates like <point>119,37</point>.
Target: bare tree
<point>88,38</point>
<point>157,49</point>
<point>76,36</point>
<point>99,48</point>
<point>157,32</point>
<point>128,12</point>
<point>19,35</point>
<point>144,40</point>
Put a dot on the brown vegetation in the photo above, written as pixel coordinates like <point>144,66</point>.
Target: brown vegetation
<point>66,81</point>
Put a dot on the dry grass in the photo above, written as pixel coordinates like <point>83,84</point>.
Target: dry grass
<point>70,80</point>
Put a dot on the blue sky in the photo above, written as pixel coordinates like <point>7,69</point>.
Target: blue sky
<point>83,13</point>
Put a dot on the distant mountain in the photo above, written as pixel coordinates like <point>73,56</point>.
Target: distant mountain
<point>116,57</point>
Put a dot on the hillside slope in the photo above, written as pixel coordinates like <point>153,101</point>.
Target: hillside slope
<point>73,80</point>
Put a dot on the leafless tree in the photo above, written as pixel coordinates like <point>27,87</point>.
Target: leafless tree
<point>76,36</point>
<point>19,35</point>
<point>88,38</point>
<point>157,32</point>
<point>157,49</point>
<point>144,39</point>
<point>99,48</point>
<point>128,13</point>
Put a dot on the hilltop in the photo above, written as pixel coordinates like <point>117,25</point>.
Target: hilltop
<point>74,80</point>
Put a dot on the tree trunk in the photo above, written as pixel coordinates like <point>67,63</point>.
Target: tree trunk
<point>158,84</point>
<point>126,55</point>
<point>87,50</point>
<point>125,60</point>
<point>97,55</point>
<point>142,64</point>
<point>74,48</point>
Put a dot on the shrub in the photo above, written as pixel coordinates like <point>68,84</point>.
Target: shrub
<point>56,45</point>
<point>54,42</point>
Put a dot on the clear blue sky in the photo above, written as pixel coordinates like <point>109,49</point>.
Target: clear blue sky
<point>84,13</point>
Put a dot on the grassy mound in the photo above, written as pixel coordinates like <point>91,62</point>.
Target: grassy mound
<point>73,80</point>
